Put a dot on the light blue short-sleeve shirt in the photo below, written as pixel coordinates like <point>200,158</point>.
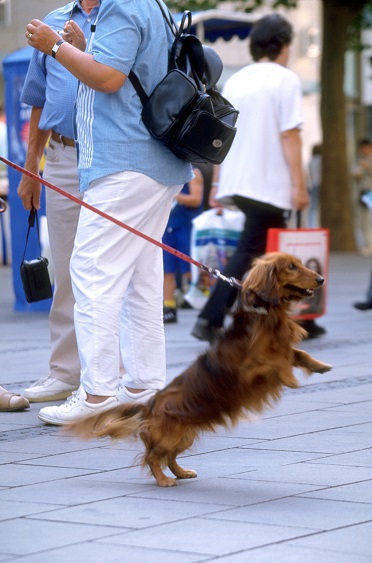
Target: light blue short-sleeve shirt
<point>48,84</point>
<point>112,137</point>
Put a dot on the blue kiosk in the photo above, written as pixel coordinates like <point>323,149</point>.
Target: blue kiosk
<point>18,117</point>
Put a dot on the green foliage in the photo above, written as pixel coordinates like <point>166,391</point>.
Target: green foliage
<point>240,5</point>
<point>362,21</point>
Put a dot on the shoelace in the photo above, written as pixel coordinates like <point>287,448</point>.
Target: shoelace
<point>72,398</point>
<point>41,381</point>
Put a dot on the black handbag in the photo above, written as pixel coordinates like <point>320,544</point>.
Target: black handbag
<point>34,273</point>
<point>185,111</point>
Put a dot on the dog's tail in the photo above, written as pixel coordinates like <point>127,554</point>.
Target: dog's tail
<point>124,421</point>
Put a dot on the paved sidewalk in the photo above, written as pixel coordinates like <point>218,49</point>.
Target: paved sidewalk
<point>295,486</point>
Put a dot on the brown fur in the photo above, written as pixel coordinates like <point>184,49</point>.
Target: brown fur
<point>245,370</point>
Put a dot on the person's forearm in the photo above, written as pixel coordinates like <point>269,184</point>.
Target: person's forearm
<point>189,200</point>
<point>82,65</point>
<point>292,147</point>
<point>97,76</point>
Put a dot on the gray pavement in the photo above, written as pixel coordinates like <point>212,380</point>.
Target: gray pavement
<point>295,486</point>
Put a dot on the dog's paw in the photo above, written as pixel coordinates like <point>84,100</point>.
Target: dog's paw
<point>166,482</point>
<point>187,474</point>
<point>292,383</point>
<point>323,368</point>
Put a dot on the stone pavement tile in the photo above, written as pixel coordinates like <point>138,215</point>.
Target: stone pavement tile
<point>97,459</point>
<point>344,393</point>
<point>243,459</point>
<point>327,441</point>
<point>298,404</point>
<point>92,551</point>
<point>24,536</point>
<point>134,475</point>
<point>18,509</point>
<point>360,458</point>
<point>352,541</point>
<point>73,492</point>
<point>44,444</point>
<point>300,512</point>
<point>353,492</point>
<point>229,492</point>
<point>357,407</point>
<point>293,554</point>
<point>133,512</point>
<point>18,475</point>
<point>317,474</point>
<point>299,424</point>
<point>13,422</point>
<point>364,429</point>
<point>11,457</point>
<point>207,536</point>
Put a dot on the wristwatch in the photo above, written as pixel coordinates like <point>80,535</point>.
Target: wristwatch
<point>56,46</point>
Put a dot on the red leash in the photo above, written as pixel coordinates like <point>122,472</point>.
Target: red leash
<point>212,271</point>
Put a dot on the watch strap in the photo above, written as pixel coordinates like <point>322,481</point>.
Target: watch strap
<point>56,46</point>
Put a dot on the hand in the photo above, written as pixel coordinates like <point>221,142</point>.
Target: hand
<point>29,191</point>
<point>300,199</point>
<point>212,197</point>
<point>41,36</point>
<point>73,34</point>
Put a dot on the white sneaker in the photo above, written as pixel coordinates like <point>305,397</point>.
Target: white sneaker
<point>75,408</point>
<point>48,389</point>
<point>125,396</point>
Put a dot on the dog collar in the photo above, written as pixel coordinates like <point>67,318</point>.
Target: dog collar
<point>257,310</point>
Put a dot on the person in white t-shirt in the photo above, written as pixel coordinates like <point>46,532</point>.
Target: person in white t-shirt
<point>263,173</point>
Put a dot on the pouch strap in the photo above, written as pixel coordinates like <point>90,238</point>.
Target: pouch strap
<point>138,87</point>
<point>172,24</point>
<point>31,222</point>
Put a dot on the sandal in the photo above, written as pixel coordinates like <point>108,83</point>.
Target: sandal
<point>12,401</point>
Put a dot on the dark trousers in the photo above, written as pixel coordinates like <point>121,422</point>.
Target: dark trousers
<point>259,217</point>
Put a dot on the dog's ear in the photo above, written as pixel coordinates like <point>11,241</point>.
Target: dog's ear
<point>262,281</point>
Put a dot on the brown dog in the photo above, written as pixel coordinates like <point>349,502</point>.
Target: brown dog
<point>244,371</point>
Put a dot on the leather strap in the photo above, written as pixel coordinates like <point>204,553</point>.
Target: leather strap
<point>61,139</point>
<point>31,222</point>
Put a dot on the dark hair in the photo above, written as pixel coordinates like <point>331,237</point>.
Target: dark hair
<point>364,142</point>
<point>269,35</point>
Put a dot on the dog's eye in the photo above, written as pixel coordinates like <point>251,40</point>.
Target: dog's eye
<point>292,266</point>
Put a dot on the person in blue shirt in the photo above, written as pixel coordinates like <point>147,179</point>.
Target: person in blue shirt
<point>51,91</point>
<point>117,277</point>
<point>186,206</point>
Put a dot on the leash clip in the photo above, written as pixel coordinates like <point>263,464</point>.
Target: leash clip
<point>232,281</point>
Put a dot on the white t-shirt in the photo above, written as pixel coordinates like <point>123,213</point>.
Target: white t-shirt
<point>268,97</point>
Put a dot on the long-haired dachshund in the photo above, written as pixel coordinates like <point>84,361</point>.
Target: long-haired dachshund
<point>244,371</point>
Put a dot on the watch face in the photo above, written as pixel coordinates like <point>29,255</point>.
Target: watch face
<point>56,46</point>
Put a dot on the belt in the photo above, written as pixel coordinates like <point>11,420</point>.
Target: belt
<point>64,140</point>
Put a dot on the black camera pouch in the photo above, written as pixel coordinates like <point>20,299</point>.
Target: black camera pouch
<point>34,273</point>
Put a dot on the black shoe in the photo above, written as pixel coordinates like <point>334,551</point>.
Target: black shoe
<point>186,305</point>
<point>313,330</point>
<point>204,330</point>
<point>363,305</point>
<point>169,315</point>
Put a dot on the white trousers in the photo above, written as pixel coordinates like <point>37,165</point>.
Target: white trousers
<point>62,218</point>
<point>117,279</point>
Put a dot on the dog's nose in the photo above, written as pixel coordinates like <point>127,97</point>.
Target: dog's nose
<point>319,280</point>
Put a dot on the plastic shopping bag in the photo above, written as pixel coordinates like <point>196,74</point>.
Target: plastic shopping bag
<point>214,238</point>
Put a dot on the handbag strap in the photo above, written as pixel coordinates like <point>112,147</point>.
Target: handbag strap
<point>32,218</point>
<point>177,31</point>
